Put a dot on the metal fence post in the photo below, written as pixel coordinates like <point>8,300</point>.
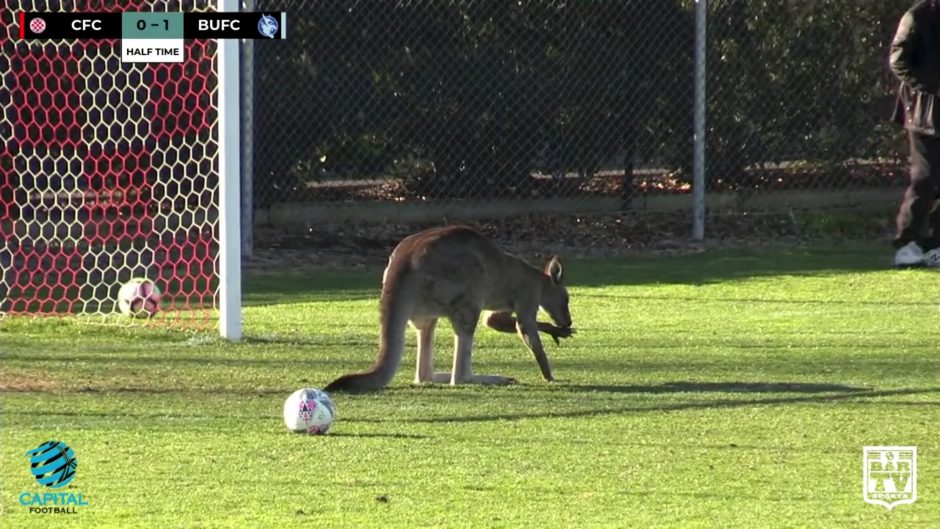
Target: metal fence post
<point>698,148</point>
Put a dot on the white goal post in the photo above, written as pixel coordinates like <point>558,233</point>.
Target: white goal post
<point>230,275</point>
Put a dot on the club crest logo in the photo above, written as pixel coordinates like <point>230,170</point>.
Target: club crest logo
<point>268,26</point>
<point>37,25</point>
<point>890,475</point>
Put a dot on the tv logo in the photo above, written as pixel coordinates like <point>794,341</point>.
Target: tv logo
<point>53,464</point>
<point>890,475</point>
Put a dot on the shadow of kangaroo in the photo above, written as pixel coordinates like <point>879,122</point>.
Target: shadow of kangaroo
<point>456,273</point>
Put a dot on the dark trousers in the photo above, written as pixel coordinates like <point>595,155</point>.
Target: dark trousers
<point>919,215</point>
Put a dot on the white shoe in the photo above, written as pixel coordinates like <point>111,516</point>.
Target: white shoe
<point>910,255</point>
<point>932,258</point>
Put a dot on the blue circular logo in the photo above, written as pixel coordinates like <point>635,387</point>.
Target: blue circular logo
<point>268,26</point>
<point>52,463</point>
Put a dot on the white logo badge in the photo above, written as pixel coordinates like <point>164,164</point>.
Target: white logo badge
<point>890,475</point>
<point>37,25</point>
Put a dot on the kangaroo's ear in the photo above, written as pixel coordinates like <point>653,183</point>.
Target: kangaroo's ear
<point>554,270</point>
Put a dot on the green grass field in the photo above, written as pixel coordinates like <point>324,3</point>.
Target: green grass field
<point>729,389</point>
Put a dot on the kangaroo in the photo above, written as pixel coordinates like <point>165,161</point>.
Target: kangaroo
<point>456,273</point>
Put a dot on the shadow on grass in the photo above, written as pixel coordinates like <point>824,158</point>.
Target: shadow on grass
<point>853,393</point>
<point>727,265</point>
<point>207,361</point>
<point>325,286</point>
<point>370,435</point>
<point>697,269</point>
<point>722,387</point>
<point>756,299</point>
<point>288,339</point>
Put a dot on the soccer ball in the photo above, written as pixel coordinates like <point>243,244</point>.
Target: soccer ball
<point>309,410</point>
<point>139,298</point>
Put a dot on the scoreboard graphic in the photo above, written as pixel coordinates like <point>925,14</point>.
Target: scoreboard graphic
<point>153,37</point>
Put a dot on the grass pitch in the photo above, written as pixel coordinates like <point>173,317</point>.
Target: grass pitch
<point>730,389</point>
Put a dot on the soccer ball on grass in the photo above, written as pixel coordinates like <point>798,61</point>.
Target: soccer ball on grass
<point>310,411</point>
<point>140,298</point>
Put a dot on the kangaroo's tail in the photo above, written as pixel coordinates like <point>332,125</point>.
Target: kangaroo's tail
<point>395,311</point>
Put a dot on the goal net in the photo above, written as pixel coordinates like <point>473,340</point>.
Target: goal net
<point>108,171</point>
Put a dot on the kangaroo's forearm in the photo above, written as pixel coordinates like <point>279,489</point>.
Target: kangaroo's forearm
<point>535,346</point>
<point>530,337</point>
<point>506,322</point>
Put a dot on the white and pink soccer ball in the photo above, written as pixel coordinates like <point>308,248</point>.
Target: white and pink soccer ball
<point>140,298</point>
<point>309,411</point>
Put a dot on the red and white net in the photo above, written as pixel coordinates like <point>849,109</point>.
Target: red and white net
<point>108,171</point>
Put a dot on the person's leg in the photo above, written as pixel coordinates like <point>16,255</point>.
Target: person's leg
<point>915,205</point>
<point>932,242</point>
<point>919,195</point>
<point>931,245</point>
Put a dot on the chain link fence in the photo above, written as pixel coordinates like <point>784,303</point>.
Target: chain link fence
<point>486,106</point>
<point>423,110</point>
<point>800,96</point>
<point>420,111</point>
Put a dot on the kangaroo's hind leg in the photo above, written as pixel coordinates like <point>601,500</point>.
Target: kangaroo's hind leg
<point>464,322</point>
<point>424,371</point>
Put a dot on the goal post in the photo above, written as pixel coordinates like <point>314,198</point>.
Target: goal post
<point>112,170</point>
<point>230,325</point>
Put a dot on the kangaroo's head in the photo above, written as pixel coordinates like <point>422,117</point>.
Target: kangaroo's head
<point>554,294</point>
